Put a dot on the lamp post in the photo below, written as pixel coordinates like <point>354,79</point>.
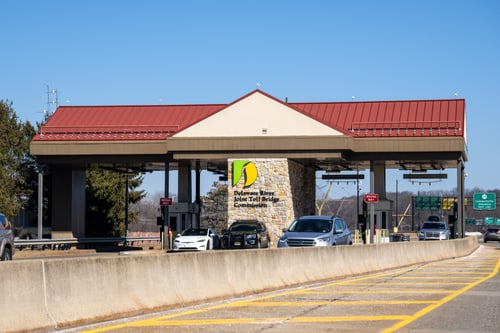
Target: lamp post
<point>397,210</point>
<point>357,196</point>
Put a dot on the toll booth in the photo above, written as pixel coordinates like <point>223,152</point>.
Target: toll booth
<point>452,221</point>
<point>382,214</point>
<point>182,215</point>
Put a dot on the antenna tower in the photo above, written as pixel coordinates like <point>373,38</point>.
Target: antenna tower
<point>52,101</point>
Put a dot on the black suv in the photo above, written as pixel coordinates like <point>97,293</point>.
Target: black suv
<point>6,240</point>
<point>244,234</point>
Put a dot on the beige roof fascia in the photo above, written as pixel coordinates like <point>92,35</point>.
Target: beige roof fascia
<point>257,115</point>
<point>98,147</point>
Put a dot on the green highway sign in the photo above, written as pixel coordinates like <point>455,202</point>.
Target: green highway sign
<point>427,203</point>
<point>485,201</point>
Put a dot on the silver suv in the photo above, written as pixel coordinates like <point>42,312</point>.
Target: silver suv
<point>316,231</point>
<point>434,230</point>
<point>6,239</point>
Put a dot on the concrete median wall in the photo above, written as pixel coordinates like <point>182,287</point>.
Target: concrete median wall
<point>42,295</point>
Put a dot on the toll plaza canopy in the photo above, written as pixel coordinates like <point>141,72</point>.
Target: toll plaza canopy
<point>333,136</point>
<point>412,135</point>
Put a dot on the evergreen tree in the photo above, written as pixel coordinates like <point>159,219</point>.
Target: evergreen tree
<point>105,201</point>
<point>17,175</point>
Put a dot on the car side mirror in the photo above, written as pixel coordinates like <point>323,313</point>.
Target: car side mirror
<point>284,229</point>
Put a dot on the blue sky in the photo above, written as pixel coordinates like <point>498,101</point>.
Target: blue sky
<point>97,52</point>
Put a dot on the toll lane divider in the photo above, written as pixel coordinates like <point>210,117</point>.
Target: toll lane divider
<point>43,295</point>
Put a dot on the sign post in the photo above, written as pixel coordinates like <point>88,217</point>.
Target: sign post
<point>371,199</point>
<point>165,203</point>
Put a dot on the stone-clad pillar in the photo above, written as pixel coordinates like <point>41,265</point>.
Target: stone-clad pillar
<point>274,191</point>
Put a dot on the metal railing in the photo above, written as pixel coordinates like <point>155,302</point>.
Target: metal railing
<point>64,243</point>
<point>406,128</point>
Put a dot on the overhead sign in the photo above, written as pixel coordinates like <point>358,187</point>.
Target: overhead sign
<point>165,202</point>
<point>485,201</point>
<point>371,198</point>
<point>427,203</point>
<point>488,220</point>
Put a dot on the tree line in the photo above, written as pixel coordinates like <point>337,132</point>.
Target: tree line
<point>404,215</point>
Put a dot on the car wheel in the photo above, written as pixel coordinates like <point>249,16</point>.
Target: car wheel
<point>6,255</point>
<point>485,241</point>
<point>208,246</point>
<point>259,245</point>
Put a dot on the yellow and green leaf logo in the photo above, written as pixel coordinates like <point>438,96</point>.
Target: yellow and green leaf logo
<point>246,169</point>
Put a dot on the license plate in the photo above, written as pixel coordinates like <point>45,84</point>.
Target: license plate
<point>237,243</point>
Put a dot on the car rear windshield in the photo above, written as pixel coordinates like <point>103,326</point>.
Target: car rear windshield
<point>244,227</point>
<point>433,225</point>
<point>320,226</point>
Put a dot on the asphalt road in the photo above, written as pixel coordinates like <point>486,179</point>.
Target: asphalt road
<point>458,295</point>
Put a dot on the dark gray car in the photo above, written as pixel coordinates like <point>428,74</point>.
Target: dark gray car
<point>492,234</point>
<point>6,240</point>
<point>316,231</point>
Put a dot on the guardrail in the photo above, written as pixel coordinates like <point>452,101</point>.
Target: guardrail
<point>65,243</point>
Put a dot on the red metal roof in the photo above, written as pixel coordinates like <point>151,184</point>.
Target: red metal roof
<point>390,118</point>
<point>140,122</point>
<point>412,118</point>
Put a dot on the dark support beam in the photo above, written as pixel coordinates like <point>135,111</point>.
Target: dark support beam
<point>460,199</point>
<point>343,177</point>
<point>166,217</point>
<point>197,195</point>
<point>426,176</point>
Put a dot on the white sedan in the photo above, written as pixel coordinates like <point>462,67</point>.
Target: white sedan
<point>197,239</point>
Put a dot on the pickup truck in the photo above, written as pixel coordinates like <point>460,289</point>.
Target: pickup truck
<point>6,240</point>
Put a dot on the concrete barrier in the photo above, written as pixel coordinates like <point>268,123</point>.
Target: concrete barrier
<point>43,295</point>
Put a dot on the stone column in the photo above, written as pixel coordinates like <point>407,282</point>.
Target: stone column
<point>274,191</point>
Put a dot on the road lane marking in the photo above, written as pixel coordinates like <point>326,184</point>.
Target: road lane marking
<point>263,320</point>
<point>370,280</point>
<point>346,318</point>
<point>380,291</point>
<point>316,303</point>
<point>204,322</point>
<point>440,278</point>
<point>443,301</point>
<point>364,284</point>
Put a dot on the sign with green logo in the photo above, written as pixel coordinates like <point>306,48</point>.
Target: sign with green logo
<point>485,201</point>
<point>244,169</point>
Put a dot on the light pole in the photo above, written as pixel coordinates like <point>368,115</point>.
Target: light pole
<point>397,210</point>
<point>357,196</point>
